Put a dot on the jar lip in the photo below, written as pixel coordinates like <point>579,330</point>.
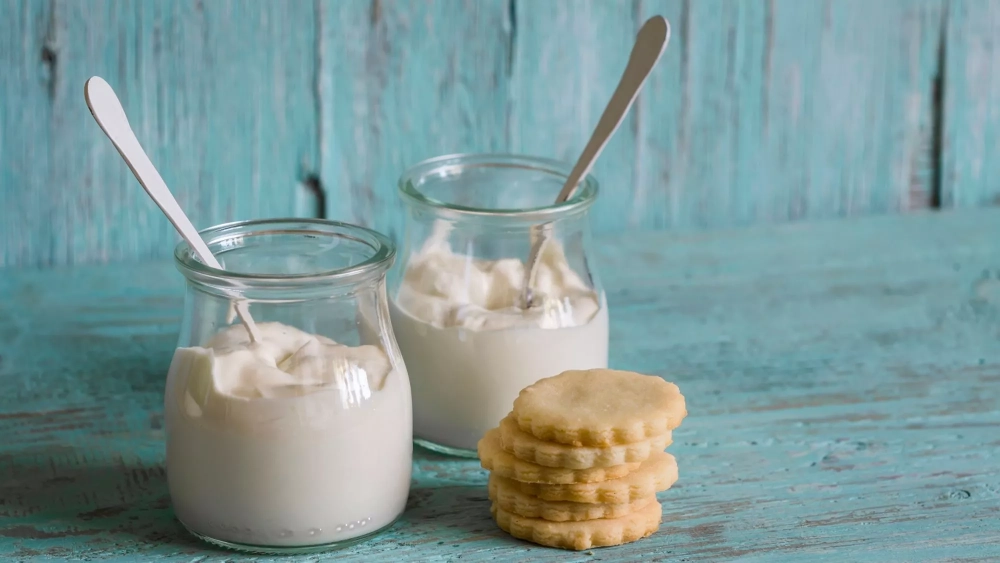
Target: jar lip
<point>383,252</point>
<point>584,197</point>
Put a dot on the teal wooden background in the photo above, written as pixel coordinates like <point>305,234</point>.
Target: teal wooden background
<point>761,110</point>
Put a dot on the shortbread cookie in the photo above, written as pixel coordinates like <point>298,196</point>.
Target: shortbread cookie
<point>581,535</point>
<point>553,454</point>
<point>492,456</point>
<point>655,474</point>
<point>506,495</point>
<point>599,407</point>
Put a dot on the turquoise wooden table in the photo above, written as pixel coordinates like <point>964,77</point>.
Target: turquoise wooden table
<point>843,382</point>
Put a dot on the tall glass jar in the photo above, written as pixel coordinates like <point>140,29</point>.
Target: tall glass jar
<point>300,440</point>
<point>469,341</point>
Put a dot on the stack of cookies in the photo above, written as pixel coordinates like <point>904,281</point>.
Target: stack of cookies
<point>579,461</point>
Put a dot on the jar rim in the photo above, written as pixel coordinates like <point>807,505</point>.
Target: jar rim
<point>583,198</point>
<point>383,252</point>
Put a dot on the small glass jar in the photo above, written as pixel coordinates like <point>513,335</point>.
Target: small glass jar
<point>468,340</point>
<point>301,440</point>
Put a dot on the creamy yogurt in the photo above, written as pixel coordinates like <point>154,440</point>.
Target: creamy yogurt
<point>470,349</point>
<point>291,441</point>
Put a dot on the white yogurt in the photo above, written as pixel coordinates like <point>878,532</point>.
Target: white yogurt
<point>468,347</point>
<point>292,441</point>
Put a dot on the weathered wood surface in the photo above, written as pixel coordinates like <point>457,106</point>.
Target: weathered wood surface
<point>401,82</point>
<point>971,133</point>
<point>761,111</point>
<point>843,381</point>
<point>789,109</point>
<point>227,114</point>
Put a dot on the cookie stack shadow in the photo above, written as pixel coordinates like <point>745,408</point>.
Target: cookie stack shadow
<point>578,462</point>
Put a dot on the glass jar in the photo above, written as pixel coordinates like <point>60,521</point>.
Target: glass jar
<point>469,342</point>
<point>301,440</point>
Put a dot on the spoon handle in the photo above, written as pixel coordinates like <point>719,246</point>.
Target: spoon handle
<point>649,46</point>
<point>109,114</point>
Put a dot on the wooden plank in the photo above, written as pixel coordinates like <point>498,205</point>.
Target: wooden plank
<point>841,379</point>
<point>784,110</point>
<point>401,82</point>
<point>760,111</point>
<point>568,58</point>
<point>24,56</point>
<point>970,169</point>
<point>220,93</point>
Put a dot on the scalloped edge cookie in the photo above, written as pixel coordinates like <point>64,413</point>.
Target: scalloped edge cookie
<point>599,407</point>
<point>492,456</point>
<point>658,473</point>
<point>553,454</point>
<point>506,495</point>
<point>581,535</point>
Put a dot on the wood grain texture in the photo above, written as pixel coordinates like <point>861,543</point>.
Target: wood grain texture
<point>568,58</point>
<point>219,93</point>
<point>401,82</point>
<point>971,105</point>
<point>785,110</point>
<point>841,377</point>
<point>761,110</point>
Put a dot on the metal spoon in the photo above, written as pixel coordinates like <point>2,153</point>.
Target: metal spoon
<point>649,46</point>
<point>109,114</point>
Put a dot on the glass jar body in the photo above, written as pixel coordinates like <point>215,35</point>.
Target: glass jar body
<point>455,297</point>
<point>303,440</point>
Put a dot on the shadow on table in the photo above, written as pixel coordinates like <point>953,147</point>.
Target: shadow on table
<point>46,498</point>
<point>447,515</point>
<point>49,494</point>
<point>101,506</point>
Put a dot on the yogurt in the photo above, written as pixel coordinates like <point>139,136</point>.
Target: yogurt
<point>470,349</point>
<point>294,440</point>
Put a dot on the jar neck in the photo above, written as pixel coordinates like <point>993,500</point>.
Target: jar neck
<point>276,293</point>
<point>494,189</point>
<point>288,259</point>
<point>499,223</point>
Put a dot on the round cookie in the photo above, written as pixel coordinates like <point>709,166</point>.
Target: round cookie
<point>581,535</point>
<point>658,473</point>
<point>506,495</point>
<point>492,456</point>
<point>553,454</point>
<point>599,407</point>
